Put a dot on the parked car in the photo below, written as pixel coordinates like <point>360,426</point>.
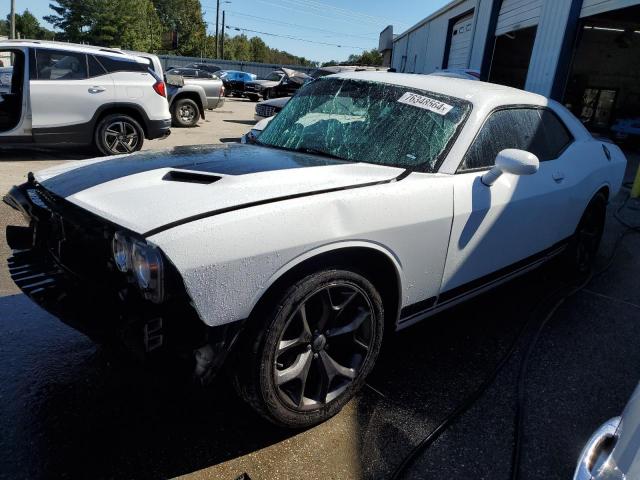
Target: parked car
<point>83,95</point>
<point>234,81</point>
<point>289,260</point>
<point>613,451</point>
<point>626,129</point>
<point>268,108</point>
<point>192,73</point>
<point>278,83</point>
<point>5,79</point>
<point>208,67</point>
<point>189,98</point>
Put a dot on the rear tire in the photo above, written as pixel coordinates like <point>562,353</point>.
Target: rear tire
<point>305,355</point>
<point>583,246</point>
<point>118,134</point>
<point>185,113</point>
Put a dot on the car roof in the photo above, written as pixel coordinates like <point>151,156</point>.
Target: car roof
<point>473,91</point>
<point>70,47</point>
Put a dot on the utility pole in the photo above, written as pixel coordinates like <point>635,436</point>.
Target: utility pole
<point>217,21</point>
<point>13,19</point>
<point>222,39</point>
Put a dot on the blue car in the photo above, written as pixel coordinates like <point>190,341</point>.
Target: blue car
<point>234,81</point>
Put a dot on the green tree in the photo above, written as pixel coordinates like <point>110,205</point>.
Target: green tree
<point>369,57</point>
<point>74,18</point>
<point>259,50</point>
<point>185,18</point>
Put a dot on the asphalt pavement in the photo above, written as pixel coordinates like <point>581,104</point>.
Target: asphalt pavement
<point>69,409</point>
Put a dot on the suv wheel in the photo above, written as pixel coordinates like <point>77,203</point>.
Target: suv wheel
<point>266,95</point>
<point>303,361</point>
<point>117,134</point>
<point>185,113</point>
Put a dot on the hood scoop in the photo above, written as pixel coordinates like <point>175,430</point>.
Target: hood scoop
<point>190,177</point>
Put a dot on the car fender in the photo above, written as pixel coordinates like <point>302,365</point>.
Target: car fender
<point>331,247</point>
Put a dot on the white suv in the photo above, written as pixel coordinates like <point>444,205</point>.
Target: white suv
<point>78,94</point>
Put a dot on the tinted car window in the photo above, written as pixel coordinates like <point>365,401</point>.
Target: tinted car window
<point>112,64</point>
<point>95,69</point>
<point>60,65</point>
<point>538,131</point>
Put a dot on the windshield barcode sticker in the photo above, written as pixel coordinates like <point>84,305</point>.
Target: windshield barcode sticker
<point>427,103</point>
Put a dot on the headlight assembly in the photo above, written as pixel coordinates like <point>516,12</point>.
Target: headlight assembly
<point>141,261</point>
<point>147,269</point>
<point>121,246</point>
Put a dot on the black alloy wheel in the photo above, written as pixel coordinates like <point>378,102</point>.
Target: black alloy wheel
<point>314,355</point>
<point>583,248</point>
<point>118,134</point>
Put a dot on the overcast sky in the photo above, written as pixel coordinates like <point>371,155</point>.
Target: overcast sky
<point>350,24</point>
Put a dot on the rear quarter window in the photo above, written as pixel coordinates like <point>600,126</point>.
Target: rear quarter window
<point>112,64</point>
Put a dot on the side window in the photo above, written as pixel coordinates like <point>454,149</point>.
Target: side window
<point>112,64</point>
<point>60,65</point>
<point>95,69</point>
<point>538,131</point>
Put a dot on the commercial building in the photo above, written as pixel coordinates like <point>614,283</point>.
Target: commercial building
<point>585,53</point>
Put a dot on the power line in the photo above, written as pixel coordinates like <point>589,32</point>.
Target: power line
<point>240,29</point>
<point>316,15</point>
<point>344,12</point>
<point>278,22</point>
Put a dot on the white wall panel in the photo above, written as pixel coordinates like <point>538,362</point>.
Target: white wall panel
<point>517,14</point>
<point>593,7</point>
<point>547,46</point>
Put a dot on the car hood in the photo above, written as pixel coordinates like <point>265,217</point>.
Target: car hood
<point>152,191</point>
<point>264,83</point>
<point>279,102</point>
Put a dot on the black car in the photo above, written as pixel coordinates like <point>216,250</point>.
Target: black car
<point>279,83</point>
<point>234,81</point>
<point>209,67</point>
<point>191,72</point>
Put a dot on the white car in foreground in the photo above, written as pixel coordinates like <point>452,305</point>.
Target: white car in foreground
<point>372,201</point>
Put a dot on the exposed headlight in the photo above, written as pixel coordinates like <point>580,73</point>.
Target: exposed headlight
<point>121,246</point>
<point>146,263</point>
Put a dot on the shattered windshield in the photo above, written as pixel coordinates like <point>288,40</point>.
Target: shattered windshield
<point>369,122</point>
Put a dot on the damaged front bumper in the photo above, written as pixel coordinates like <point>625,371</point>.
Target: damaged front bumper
<point>62,261</point>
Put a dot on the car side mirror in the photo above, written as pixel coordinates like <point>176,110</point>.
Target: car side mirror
<point>514,161</point>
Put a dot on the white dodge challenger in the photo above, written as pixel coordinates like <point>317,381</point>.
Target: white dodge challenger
<point>370,202</point>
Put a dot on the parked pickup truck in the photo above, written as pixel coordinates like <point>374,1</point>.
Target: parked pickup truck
<point>189,98</point>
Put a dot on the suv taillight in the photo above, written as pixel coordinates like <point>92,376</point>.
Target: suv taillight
<point>160,88</point>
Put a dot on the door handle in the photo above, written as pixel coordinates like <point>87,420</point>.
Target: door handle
<point>96,90</point>
<point>558,177</point>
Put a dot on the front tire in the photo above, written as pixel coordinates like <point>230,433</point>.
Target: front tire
<point>309,352</point>
<point>583,247</point>
<point>117,134</point>
<point>185,113</point>
<point>253,97</point>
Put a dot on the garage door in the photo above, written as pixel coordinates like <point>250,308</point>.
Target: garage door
<point>461,40</point>
<point>593,7</point>
<point>517,14</point>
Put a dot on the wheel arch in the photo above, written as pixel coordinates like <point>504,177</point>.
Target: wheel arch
<point>374,261</point>
<point>124,109</point>
<point>191,95</point>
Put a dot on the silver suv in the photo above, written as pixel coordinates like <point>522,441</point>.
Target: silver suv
<point>78,94</point>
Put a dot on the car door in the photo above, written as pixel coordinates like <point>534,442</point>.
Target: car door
<point>501,228</point>
<point>66,92</point>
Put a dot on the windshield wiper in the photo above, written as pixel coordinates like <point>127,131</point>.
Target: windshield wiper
<point>315,151</point>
